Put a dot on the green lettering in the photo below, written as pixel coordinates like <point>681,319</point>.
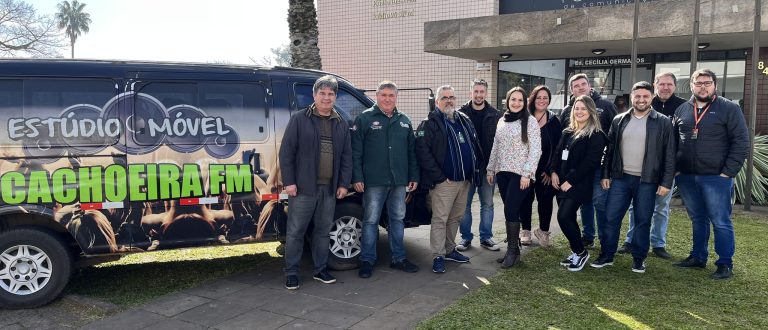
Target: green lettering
<point>215,178</point>
<point>39,189</point>
<point>151,181</point>
<point>90,185</point>
<point>239,178</point>
<point>136,182</point>
<point>114,183</point>
<point>64,181</point>
<point>9,184</point>
<point>169,181</point>
<point>191,181</point>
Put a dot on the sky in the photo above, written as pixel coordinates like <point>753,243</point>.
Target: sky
<point>231,31</point>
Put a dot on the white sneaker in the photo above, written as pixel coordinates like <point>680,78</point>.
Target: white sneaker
<point>463,245</point>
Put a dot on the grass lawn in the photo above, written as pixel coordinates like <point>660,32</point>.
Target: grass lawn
<point>138,278</point>
<point>541,294</point>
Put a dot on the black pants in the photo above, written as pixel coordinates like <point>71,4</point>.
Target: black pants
<point>545,195</point>
<point>511,194</point>
<point>566,217</point>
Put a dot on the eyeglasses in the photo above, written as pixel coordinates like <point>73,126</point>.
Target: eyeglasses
<point>443,98</point>
<point>703,83</point>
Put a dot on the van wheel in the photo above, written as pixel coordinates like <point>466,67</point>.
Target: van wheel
<point>346,231</point>
<point>35,266</point>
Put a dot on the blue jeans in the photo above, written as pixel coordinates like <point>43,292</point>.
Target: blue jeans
<point>595,208</point>
<point>708,200</point>
<point>485,193</point>
<point>302,210</point>
<point>625,191</point>
<point>658,223</point>
<point>374,199</point>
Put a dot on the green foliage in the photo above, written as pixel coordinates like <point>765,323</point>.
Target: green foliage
<point>759,174</point>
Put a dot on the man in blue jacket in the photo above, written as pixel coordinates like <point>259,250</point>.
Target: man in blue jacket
<point>712,143</point>
<point>385,169</point>
<point>316,166</point>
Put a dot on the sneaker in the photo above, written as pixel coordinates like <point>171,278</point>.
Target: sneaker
<point>525,237</point>
<point>579,261</point>
<point>588,243</point>
<point>625,249</point>
<point>661,252</point>
<point>438,265</point>
<point>544,237</point>
<point>464,244</point>
<point>489,244</point>
<point>601,262</point>
<point>325,277</point>
<point>366,270</point>
<point>723,272</point>
<point>638,265</point>
<point>455,256</point>
<point>291,282</point>
<point>568,260</point>
<point>691,262</point>
<point>405,266</point>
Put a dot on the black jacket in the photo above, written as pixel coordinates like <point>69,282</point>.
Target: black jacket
<point>300,153</point>
<point>584,156</point>
<point>723,140</point>
<point>490,120</point>
<point>659,159</point>
<point>550,137</point>
<point>667,108</point>
<point>605,111</point>
<point>431,145</point>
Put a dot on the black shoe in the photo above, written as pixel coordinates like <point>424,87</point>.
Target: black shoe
<point>625,249</point>
<point>366,269</point>
<point>588,243</point>
<point>638,266</point>
<point>579,261</point>
<point>723,272</point>
<point>405,266</point>
<point>661,253</point>
<point>568,260</point>
<point>324,277</point>
<point>691,262</point>
<point>292,282</point>
<point>601,262</point>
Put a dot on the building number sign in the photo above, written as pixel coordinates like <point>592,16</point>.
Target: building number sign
<point>762,67</point>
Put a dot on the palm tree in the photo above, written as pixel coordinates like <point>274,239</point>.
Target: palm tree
<point>73,20</point>
<point>302,26</point>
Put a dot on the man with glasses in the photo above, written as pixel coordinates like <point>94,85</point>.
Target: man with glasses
<point>712,143</point>
<point>484,117</point>
<point>449,155</point>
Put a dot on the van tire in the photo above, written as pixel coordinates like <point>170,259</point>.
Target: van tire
<point>39,252</point>
<point>346,232</point>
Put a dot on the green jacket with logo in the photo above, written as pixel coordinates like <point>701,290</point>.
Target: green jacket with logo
<point>383,149</point>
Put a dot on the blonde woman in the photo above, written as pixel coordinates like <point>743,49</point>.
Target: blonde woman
<point>576,159</point>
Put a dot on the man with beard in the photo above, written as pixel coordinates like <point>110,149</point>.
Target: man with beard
<point>712,143</point>
<point>484,117</point>
<point>449,155</point>
<point>595,211</point>
<point>638,165</point>
<point>665,102</point>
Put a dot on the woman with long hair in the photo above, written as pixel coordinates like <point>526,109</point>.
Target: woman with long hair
<point>543,192</point>
<point>514,155</point>
<point>576,158</point>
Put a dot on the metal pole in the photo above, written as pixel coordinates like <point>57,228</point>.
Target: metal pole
<point>633,70</point>
<point>695,41</point>
<point>753,106</point>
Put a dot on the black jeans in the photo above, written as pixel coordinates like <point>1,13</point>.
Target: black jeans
<point>511,194</point>
<point>566,217</point>
<point>545,195</point>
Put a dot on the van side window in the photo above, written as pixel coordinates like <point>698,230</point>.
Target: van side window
<point>242,106</point>
<point>346,103</point>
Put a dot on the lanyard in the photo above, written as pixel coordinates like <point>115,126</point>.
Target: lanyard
<point>697,117</point>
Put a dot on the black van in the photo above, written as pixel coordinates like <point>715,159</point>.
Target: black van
<point>103,158</point>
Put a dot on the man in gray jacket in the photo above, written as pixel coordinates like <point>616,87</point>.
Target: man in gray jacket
<point>316,166</point>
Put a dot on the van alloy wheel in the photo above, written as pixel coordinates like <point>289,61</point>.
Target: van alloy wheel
<point>24,269</point>
<point>345,237</point>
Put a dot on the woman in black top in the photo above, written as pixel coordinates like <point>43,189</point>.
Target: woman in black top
<point>576,159</point>
<point>543,192</point>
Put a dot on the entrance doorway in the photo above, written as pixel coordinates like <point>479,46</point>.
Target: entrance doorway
<point>614,82</point>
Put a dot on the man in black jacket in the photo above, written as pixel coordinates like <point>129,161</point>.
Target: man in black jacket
<point>638,165</point>
<point>712,143</point>
<point>316,167</point>
<point>665,102</point>
<point>484,117</point>
<point>595,211</point>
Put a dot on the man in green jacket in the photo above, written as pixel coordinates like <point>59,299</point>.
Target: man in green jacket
<point>384,169</point>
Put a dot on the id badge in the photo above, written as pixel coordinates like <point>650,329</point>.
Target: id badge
<point>695,134</point>
<point>461,138</point>
<point>565,154</point>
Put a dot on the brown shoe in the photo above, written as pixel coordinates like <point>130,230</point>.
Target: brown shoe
<point>545,240</point>
<point>525,237</point>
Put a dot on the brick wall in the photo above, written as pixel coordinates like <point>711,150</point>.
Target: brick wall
<point>761,125</point>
